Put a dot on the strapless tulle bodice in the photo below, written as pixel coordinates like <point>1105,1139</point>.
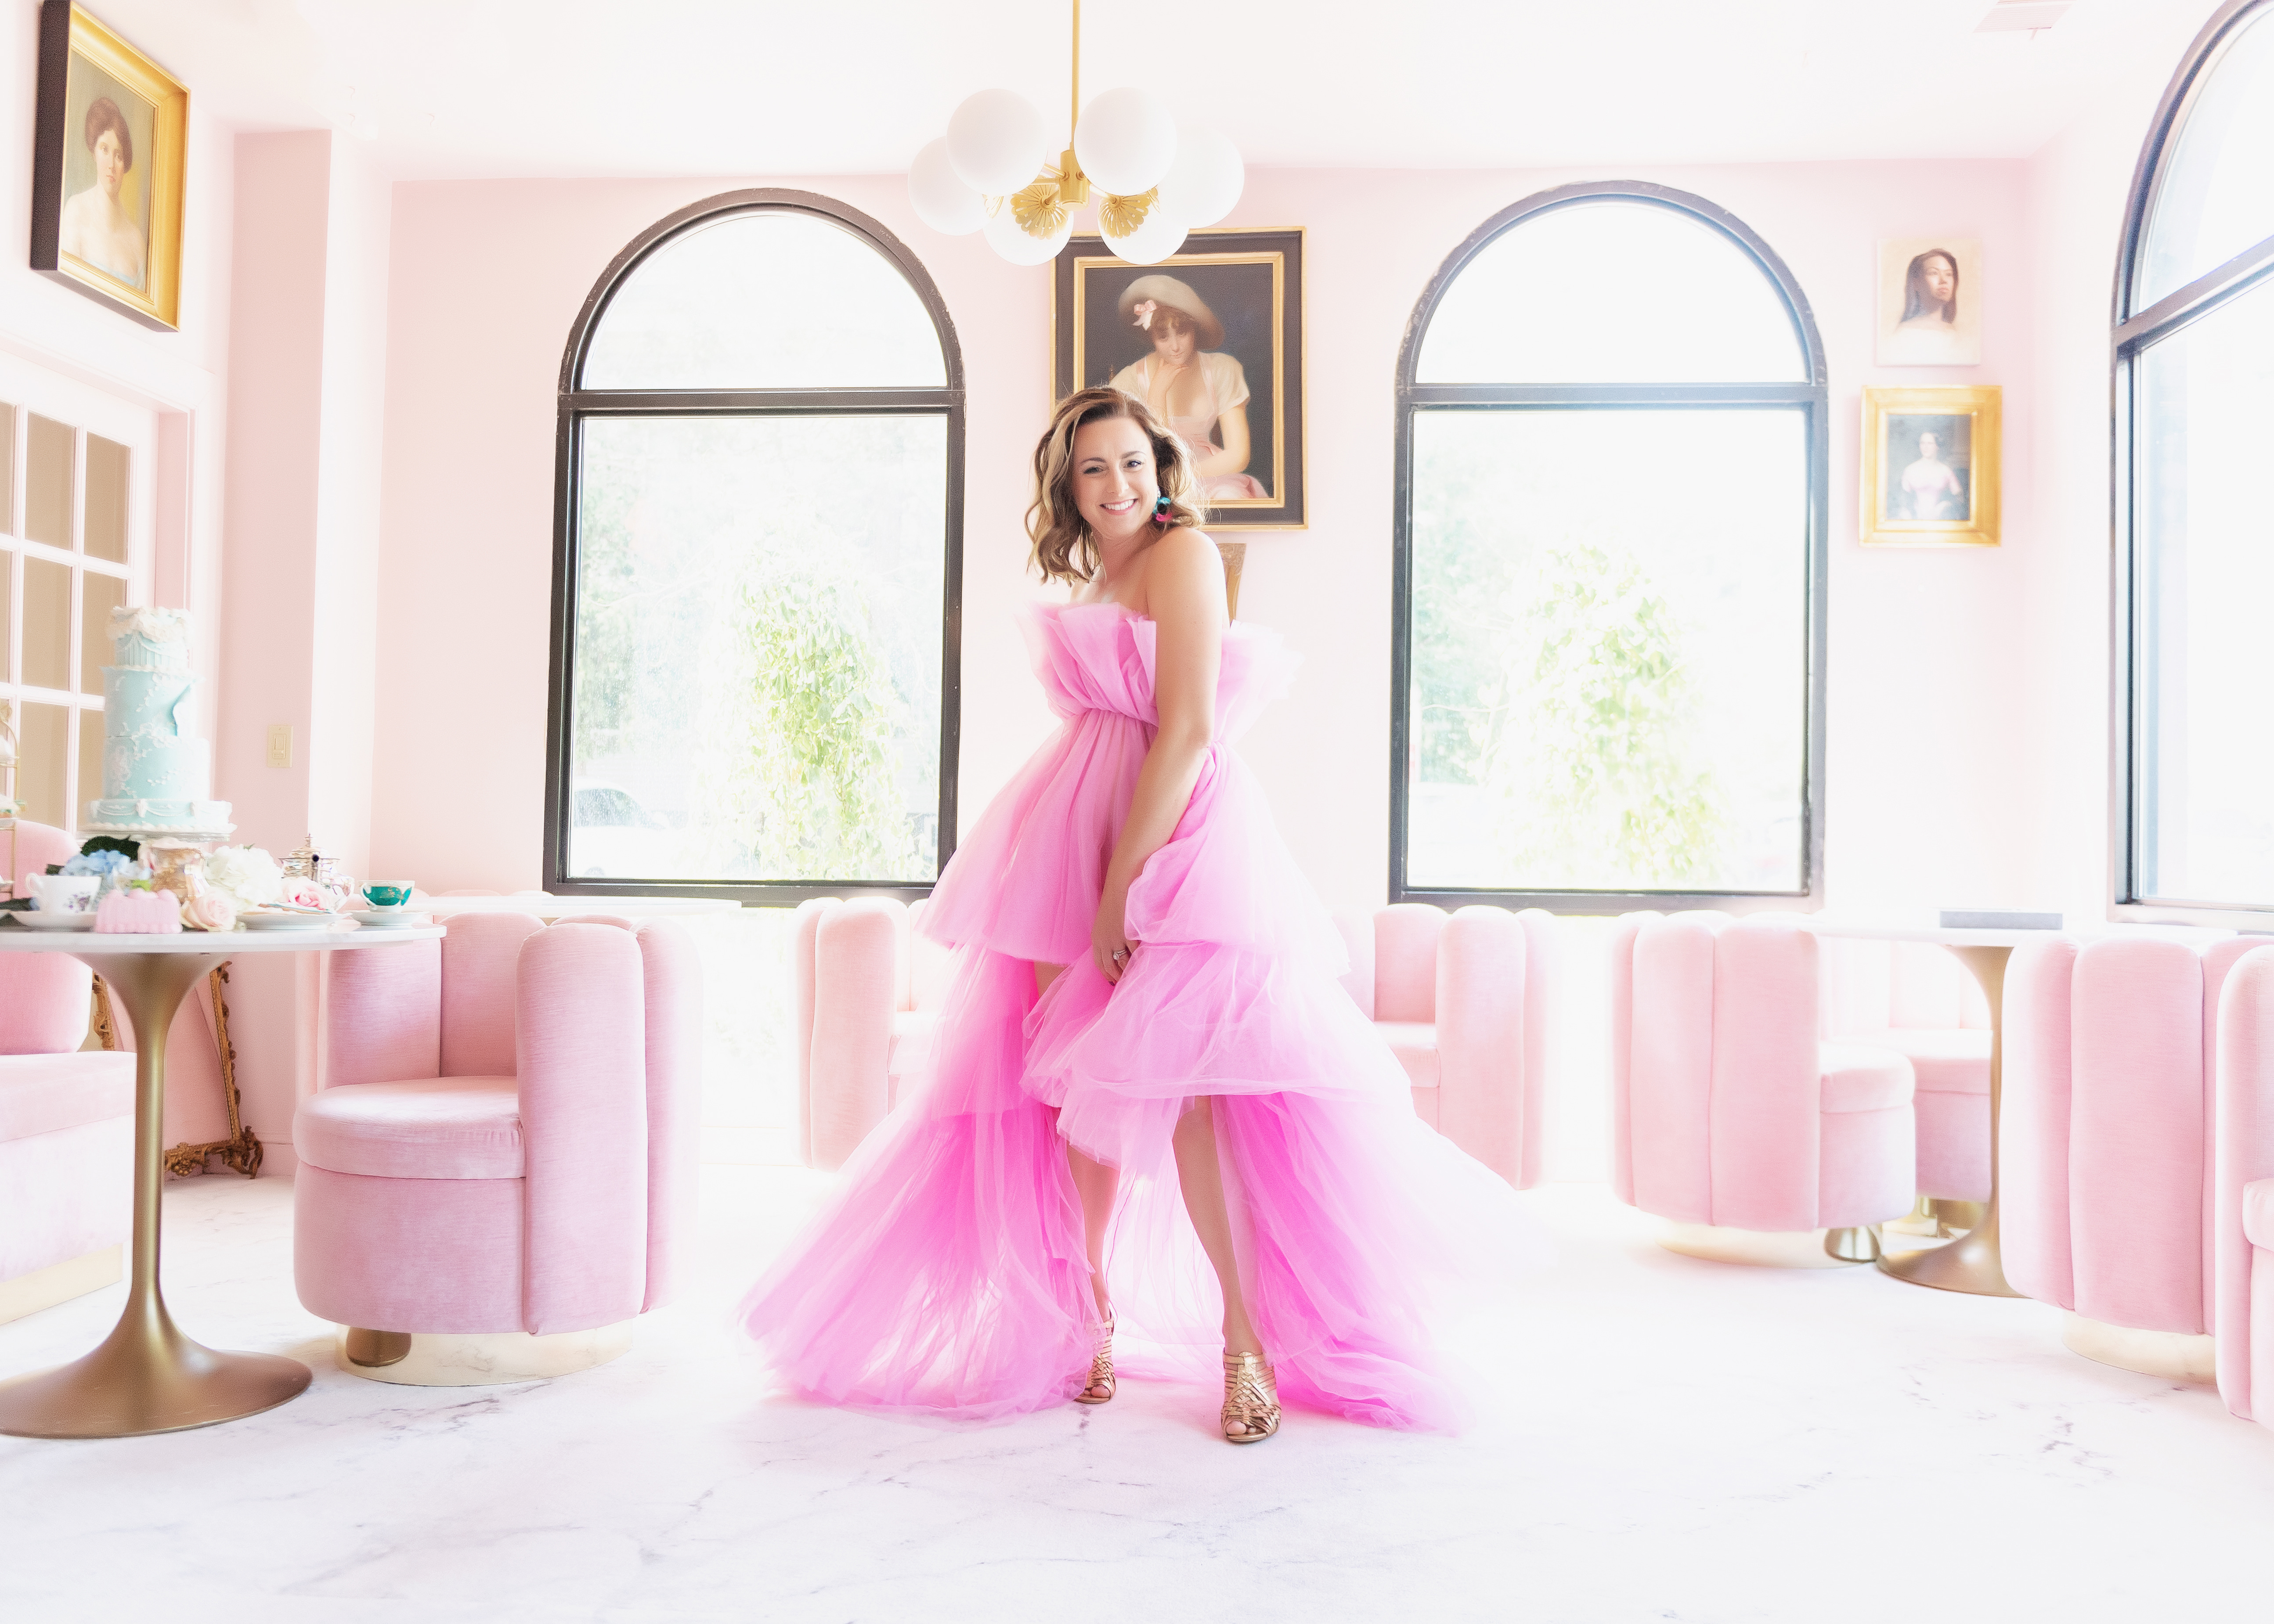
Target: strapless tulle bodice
<point>1025,880</point>
<point>1099,656</point>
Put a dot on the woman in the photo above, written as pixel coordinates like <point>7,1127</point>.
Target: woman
<point>1198,392</point>
<point>1930,291</point>
<point>1930,486</point>
<point>1144,1017</point>
<point>96,227</point>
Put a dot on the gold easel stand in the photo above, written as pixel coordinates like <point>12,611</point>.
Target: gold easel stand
<point>147,1376</point>
<point>241,1151</point>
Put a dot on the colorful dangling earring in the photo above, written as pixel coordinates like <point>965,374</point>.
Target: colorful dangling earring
<point>1161,514</point>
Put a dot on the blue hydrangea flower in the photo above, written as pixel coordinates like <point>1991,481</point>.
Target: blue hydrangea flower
<point>107,864</point>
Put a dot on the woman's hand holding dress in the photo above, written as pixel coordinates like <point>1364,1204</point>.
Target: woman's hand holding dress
<point>1183,598</point>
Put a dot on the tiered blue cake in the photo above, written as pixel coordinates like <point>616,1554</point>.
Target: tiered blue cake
<point>154,780</point>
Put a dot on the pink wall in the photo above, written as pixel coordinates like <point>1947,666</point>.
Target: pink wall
<point>1926,803</point>
<point>306,371</point>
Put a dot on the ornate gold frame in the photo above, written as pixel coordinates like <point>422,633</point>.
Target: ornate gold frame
<point>66,31</point>
<point>1981,403</point>
<point>241,1151</point>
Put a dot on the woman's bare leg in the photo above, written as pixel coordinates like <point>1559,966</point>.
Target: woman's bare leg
<point>1096,1184</point>
<point>1201,1174</point>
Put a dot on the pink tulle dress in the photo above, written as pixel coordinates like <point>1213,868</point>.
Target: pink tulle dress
<point>945,1275</point>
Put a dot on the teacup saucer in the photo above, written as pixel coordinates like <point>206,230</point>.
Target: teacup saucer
<point>380,919</point>
<point>38,918</point>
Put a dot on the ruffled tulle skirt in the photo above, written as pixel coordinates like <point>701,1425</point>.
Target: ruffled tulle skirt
<point>946,1275</point>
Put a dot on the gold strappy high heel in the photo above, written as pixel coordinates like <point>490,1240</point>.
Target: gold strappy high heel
<point>1101,1369</point>
<point>1251,1398</point>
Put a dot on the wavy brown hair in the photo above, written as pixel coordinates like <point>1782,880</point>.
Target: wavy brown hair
<point>1063,549</point>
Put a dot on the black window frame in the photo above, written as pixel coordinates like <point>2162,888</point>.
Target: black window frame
<point>577,403</point>
<point>1810,398</point>
<point>2132,333</point>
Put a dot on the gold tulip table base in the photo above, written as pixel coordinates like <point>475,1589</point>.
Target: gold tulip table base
<point>147,1376</point>
<point>1972,1262</point>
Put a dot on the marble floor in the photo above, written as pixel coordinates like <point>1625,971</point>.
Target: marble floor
<point>1671,1439</point>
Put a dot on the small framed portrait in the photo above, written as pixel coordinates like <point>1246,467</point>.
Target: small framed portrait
<point>1930,475</point>
<point>107,168</point>
<point>1211,339</point>
<point>1929,302</point>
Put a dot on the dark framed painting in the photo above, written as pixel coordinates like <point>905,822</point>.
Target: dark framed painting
<point>1930,467</point>
<point>1212,339</point>
<point>107,164</point>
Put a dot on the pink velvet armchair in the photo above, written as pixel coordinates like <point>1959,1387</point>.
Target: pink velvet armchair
<point>1729,1110</point>
<point>866,991</point>
<point>1464,1000</point>
<point>2242,1182</point>
<point>67,1122</point>
<point>2106,1195</point>
<point>1917,1000</point>
<point>498,1176</point>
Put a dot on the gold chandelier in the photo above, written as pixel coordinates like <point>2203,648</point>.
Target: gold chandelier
<point>1154,181</point>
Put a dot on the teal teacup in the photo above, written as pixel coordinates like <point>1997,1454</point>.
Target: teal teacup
<point>389,896</point>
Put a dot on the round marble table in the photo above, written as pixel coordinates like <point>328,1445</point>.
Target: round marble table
<point>1972,1262</point>
<point>147,1377</point>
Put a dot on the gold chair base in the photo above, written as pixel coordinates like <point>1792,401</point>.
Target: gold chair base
<point>2173,1354</point>
<point>1756,1248</point>
<point>146,1377</point>
<point>59,1282</point>
<point>447,1359</point>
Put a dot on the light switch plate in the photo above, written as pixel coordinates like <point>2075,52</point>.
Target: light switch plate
<point>280,744</point>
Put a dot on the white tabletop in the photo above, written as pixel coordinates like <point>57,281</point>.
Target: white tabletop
<point>1900,929</point>
<point>234,943</point>
<point>544,906</point>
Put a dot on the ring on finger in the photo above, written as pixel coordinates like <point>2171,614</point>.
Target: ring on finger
<point>1119,955</point>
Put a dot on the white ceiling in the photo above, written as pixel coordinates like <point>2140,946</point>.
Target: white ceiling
<point>494,88</point>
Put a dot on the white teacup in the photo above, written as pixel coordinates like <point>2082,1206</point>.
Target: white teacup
<point>66,894</point>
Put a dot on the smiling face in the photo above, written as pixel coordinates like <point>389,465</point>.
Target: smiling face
<point>109,163</point>
<point>1175,339</point>
<point>1115,484</point>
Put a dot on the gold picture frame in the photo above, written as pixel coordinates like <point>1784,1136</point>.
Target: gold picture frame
<point>108,156</point>
<point>1931,469</point>
<point>1257,278</point>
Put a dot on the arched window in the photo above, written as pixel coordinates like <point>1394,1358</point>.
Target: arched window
<point>2195,414</point>
<point>1609,595</point>
<point>759,562</point>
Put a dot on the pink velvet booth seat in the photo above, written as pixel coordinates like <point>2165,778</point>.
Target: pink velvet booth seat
<point>1919,1000</point>
<point>1729,1108</point>
<point>2106,1194</point>
<point>506,1139</point>
<point>866,991</point>
<point>66,1120</point>
<point>1463,999</point>
<point>2242,1183</point>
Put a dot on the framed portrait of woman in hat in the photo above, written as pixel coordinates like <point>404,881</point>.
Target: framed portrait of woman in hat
<point>1212,340</point>
<point>107,168</point>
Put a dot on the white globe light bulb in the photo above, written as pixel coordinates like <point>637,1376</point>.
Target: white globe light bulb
<point>939,197</point>
<point>1161,234</point>
<point>1126,141</point>
<point>995,142</point>
<point>1008,239</point>
<point>1205,181</point>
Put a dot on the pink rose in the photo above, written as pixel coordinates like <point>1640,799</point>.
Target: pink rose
<point>210,912</point>
<point>306,894</point>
